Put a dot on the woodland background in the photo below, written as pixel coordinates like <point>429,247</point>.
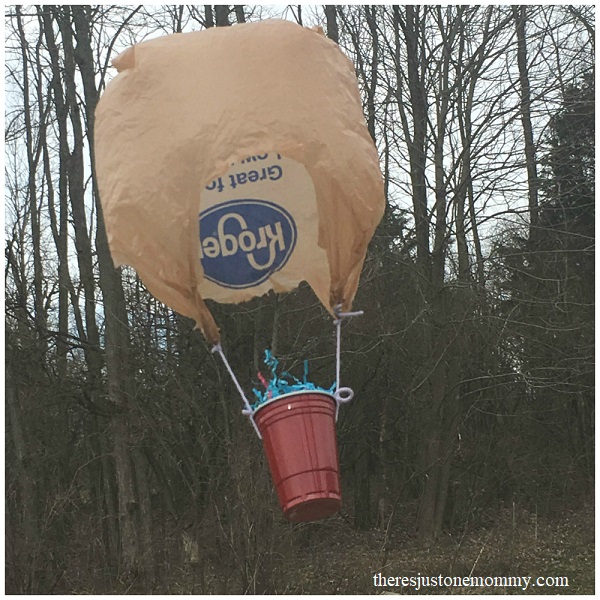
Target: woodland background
<point>129,467</point>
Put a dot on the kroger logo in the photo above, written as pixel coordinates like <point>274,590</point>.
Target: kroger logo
<point>242,242</point>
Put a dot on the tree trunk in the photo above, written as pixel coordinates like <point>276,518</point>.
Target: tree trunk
<point>27,526</point>
<point>222,15</point>
<point>116,323</point>
<point>60,234</point>
<point>105,488</point>
<point>74,174</point>
<point>239,13</point>
<point>431,443</point>
<point>209,17</point>
<point>33,157</point>
<point>371,17</point>
<point>332,24</point>
<point>363,506</point>
<point>520,15</point>
<point>415,139</point>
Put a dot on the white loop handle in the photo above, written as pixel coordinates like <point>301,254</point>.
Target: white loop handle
<point>343,395</point>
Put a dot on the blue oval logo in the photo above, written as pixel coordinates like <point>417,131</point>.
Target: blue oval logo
<point>243,242</point>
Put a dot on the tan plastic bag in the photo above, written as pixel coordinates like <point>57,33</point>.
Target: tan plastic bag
<point>236,160</point>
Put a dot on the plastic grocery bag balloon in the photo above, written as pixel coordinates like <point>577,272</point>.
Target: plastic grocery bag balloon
<point>233,161</point>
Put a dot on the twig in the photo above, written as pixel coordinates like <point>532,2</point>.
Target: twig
<point>477,559</point>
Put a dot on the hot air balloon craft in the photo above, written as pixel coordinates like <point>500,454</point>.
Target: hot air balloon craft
<point>231,162</point>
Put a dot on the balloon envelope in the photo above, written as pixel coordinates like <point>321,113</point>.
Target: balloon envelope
<point>236,160</point>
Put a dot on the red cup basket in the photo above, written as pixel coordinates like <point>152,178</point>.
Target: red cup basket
<point>298,433</point>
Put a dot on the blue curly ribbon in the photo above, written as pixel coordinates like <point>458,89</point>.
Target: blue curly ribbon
<point>284,383</point>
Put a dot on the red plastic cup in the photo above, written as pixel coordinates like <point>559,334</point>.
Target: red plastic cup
<point>298,432</point>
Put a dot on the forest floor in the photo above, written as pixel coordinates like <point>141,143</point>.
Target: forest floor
<point>330,557</point>
<point>518,545</point>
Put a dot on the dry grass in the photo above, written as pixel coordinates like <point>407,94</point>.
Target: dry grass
<point>334,559</point>
<point>331,557</point>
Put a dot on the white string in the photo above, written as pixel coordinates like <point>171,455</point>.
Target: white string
<point>338,331</point>
<point>248,410</point>
<point>342,394</point>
